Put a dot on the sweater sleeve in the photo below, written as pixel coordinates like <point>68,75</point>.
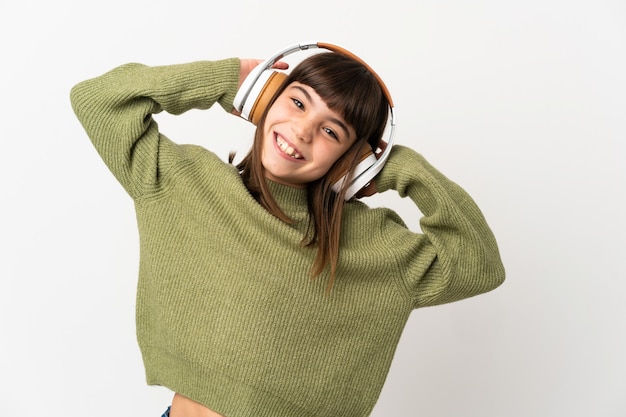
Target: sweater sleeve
<point>116,111</point>
<point>457,255</point>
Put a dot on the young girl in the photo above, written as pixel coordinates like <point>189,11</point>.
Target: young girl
<point>263,291</point>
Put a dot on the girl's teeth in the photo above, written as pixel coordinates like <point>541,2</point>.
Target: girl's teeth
<point>287,149</point>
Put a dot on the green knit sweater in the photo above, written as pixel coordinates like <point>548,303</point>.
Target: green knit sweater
<point>227,313</point>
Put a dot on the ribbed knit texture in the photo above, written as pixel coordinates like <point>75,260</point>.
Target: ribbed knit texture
<point>227,313</point>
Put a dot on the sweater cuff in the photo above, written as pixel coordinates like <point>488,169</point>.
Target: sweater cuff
<point>401,160</point>
<point>231,66</point>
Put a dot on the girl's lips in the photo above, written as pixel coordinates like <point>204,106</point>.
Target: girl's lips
<point>286,149</point>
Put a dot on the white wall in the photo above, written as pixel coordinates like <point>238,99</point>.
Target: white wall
<point>521,102</point>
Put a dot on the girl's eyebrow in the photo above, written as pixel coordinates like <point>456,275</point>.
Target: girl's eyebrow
<point>341,124</point>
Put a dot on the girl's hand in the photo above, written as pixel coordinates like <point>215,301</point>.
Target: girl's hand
<point>247,65</point>
<point>371,189</point>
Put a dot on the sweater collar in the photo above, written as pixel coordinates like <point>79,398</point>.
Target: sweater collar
<point>291,199</point>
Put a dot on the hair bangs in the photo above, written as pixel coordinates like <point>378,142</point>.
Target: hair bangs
<point>348,88</point>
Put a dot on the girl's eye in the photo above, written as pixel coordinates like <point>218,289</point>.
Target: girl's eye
<point>331,133</point>
<point>297,102</point>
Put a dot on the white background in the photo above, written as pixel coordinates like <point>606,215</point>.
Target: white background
<point>521,102</point>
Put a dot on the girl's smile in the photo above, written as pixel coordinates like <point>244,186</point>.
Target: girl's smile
<point>287,149</point>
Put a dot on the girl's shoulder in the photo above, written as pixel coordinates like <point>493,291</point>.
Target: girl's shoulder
<point>366,223</point>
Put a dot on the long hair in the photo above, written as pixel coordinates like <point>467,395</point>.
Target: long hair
<point>350,89</point>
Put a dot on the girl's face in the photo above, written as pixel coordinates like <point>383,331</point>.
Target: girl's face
<point>302,137</point>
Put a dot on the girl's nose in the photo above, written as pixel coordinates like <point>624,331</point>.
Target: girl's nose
<point>303,130</point>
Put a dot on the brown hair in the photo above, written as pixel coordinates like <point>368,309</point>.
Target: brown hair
<point>347,87</point>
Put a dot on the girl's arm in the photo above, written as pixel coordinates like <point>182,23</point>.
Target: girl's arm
<point>116,111</point>
<point>457,255</point>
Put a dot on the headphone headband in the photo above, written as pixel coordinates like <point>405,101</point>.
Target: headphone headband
<point>255,74</point>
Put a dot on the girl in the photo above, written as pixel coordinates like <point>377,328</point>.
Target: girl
<point>262,291</point>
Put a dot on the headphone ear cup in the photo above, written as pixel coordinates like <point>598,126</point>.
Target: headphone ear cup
<point>262,94</point>
<point>366,160</point>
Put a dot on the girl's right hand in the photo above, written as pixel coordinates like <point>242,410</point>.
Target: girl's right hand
<point>247,65</point>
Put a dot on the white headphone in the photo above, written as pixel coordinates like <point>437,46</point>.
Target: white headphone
<point>261,84</point>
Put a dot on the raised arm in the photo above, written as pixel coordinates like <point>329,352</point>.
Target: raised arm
<point>116,111</point>
<point>457,255</point>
